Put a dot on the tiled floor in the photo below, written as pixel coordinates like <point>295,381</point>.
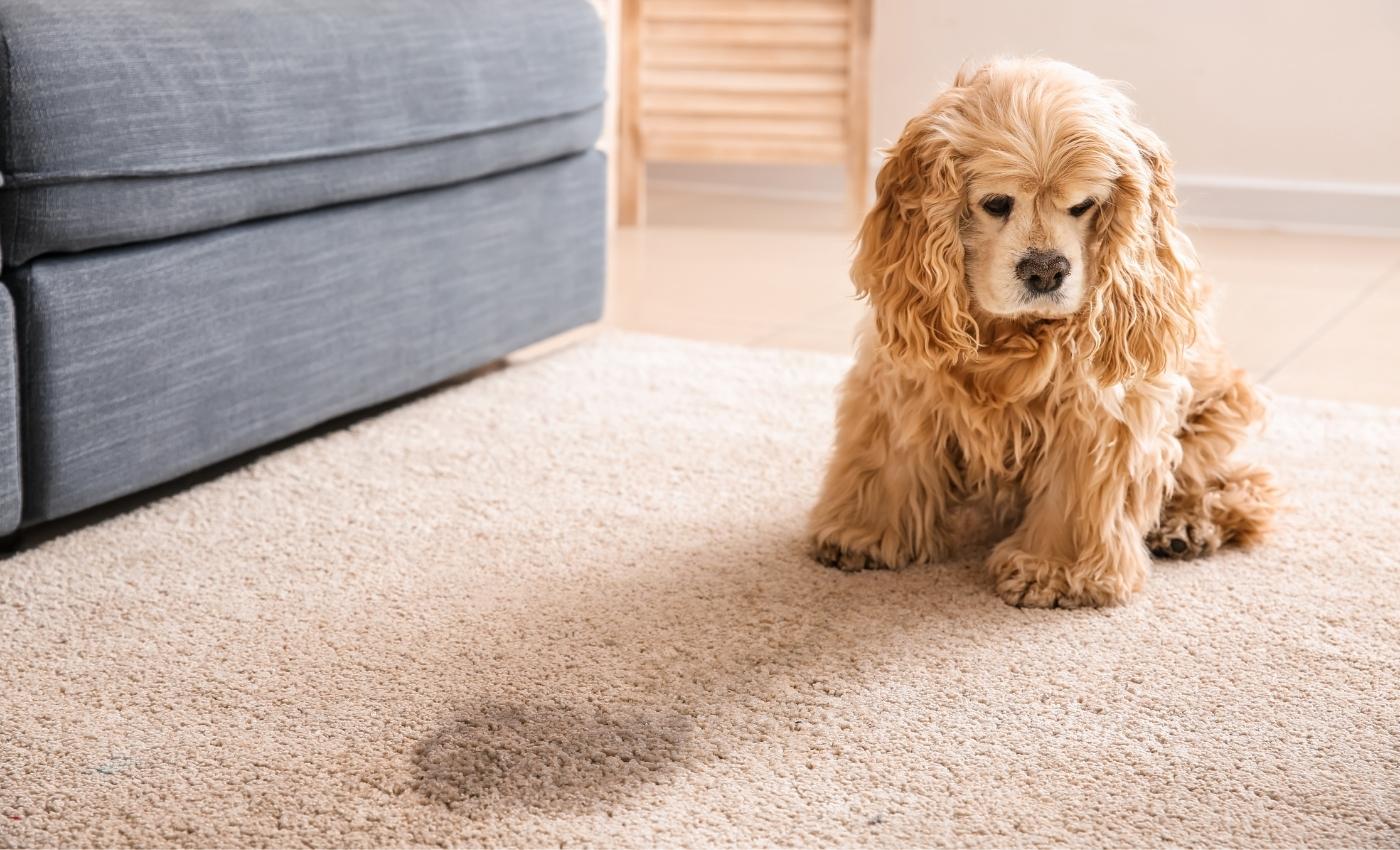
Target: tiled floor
<point>1310,315</point>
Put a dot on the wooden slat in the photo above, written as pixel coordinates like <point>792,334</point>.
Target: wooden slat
<point>663,33</point>
<point>740,57</point>
<point>741,149</point>
<point>741,103</point>
<point>746,11</point>
<point>698,126</point>
<point>799,82</point>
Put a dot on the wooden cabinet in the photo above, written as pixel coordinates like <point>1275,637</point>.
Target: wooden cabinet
<point>742,81</point>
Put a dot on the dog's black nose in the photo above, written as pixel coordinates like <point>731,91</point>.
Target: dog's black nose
<point>1042,271</point>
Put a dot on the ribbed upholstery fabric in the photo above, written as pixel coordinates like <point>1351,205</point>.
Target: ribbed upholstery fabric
<point>146,362</point>
<point>9,418</point>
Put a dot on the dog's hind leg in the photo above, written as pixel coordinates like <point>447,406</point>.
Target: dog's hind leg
<point>1236,506</point>
<point>1216,500</point>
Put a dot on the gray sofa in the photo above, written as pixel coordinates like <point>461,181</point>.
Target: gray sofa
<point>225,221</point>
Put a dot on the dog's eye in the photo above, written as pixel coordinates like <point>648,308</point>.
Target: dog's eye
<point>1082,207</point>
<point>998,205</point>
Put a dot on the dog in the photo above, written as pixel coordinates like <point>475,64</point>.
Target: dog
<point>1039,349</point>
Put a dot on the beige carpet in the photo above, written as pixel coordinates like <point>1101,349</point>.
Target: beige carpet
<point>567,604</point>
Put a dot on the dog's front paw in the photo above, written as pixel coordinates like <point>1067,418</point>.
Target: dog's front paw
<point>848,560</point>
<point>1027,587</point>
<point>1026,581</point>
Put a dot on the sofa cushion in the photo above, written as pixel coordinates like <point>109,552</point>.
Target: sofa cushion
<point>146,362</point>
<point>111,94</point>
<point>70,217</point>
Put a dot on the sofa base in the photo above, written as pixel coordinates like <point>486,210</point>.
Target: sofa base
<point>147,362</point>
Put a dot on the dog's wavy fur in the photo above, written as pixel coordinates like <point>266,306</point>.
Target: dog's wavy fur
<point>1093,438</point>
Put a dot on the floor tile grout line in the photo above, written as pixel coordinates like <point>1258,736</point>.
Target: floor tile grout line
<point>1331,322</point>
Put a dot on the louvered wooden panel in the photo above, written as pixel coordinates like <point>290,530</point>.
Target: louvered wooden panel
<point>743,81</point>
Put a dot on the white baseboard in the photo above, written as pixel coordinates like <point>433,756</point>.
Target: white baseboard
<point>1363,209</point>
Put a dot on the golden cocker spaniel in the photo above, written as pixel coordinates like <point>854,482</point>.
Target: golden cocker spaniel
<point>1041,352</point>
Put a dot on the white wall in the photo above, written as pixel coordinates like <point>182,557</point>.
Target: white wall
<point>1282,113</point>
<point>1288,90</point>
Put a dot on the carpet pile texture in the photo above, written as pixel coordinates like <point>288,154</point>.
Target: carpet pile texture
<point>568,604</point>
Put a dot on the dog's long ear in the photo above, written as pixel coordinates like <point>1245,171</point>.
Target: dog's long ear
<point>1142,315</point>
<point>909,262</point>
